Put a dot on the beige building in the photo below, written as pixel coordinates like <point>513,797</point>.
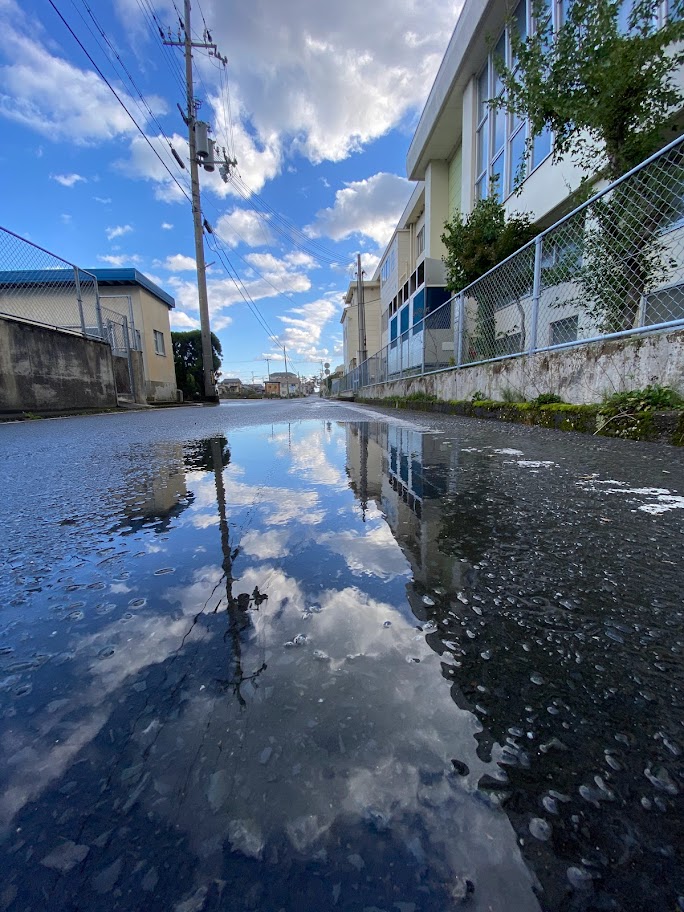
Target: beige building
<point>352,342</point>
<point>147,308</point>
<point>126,297</point>
<point>463,151</point>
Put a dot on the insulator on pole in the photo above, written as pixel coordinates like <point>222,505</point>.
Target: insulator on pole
<point>177,157</point>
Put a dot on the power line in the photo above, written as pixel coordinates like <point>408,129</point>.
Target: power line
<point>168,56</point>
<point>150,113</point>
<point>118,98</point>
<point>281,224</point>
<point>230,269</point>
<point>251,303</point>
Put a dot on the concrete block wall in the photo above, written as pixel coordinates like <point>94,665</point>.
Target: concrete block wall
<point>47,370</point>
<point>581,375</point>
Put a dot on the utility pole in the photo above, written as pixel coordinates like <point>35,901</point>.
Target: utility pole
<point>268,367</point>
<point>287,379</point>
<point>205,155</point>
<point>363,354</point>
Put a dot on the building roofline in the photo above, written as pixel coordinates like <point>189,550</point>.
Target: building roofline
<point>131,276</point>
<point>404,219</point>
<point>105,277</point>
<point>456,66</point>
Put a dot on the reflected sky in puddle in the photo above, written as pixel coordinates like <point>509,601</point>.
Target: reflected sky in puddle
<point>340,666</point>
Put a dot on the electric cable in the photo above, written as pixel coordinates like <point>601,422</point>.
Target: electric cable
<point>118,98</point>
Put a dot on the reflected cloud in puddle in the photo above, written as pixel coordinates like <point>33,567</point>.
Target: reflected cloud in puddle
<point>330,682</point>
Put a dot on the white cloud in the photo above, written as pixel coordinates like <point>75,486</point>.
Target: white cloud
<point>67,180</point>
<point>220,322</point>
<point>117,231</point>
<point>144,164</point>
<point>104,200</point>
<point>166,226</point>
<point>179,263</point>
<point>304,327</point>
<point>180,320</point>
<point>286,273</point>
<point>371,207</point>
<point>53,97</point>
<point>124,259</point>
<point>243,225</point>
<point>326,87</point>
<point>283,276</point>
<point>65,218</point>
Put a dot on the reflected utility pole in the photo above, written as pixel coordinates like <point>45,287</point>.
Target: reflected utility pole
<point>236,608</point>
<point>363,485</point>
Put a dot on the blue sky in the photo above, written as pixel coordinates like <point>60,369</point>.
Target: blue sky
<point>318,103</point>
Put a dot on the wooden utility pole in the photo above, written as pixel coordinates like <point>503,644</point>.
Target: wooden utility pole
<point>287,379</point>
<point>205,156</point>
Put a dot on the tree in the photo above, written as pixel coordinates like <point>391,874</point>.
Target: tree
<point>477,242</point>
<point>187,357</point>
<point>604,86</point>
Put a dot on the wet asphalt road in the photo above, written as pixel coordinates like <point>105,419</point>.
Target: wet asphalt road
<point>307,655</point>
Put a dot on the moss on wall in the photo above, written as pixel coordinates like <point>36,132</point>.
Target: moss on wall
<point>665,427</point>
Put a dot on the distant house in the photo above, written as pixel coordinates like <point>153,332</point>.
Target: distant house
<point>230,386</point>
<point>272,389</point>
<point>288,382</point>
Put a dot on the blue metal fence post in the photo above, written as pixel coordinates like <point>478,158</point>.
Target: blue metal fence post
<point>536,290</point>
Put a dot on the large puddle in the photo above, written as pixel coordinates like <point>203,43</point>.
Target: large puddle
<point>341,666</point>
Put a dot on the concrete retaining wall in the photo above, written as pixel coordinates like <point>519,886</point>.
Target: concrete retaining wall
<point>46,370</point>
<point>580,375</point>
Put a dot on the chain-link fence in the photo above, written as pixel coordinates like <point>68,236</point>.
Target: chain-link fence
<point>118,309</point>
<point>37,286</point>
<point>612,267</point>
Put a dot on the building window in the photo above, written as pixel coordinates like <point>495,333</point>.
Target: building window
<point>385,271</point>
<point>159,346</point>
<point>564,330</point>
<point>502,159</point>
<point>404,318</point>
<point>420,241</point>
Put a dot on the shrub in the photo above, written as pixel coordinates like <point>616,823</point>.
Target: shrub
<point>547,399</point>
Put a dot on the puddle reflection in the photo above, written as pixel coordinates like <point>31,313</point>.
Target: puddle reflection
<point>325,666</point>
<point>561,625</point>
